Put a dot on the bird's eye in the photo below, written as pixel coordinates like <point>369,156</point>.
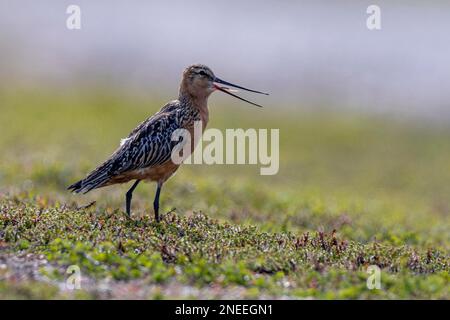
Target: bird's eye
<point>202,73</point>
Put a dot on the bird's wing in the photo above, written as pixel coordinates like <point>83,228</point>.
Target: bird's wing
<point>169,107</point>
<point>149,144</point>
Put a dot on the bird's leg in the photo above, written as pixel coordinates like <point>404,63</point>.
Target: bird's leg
<point>128,197</point>
<point>156,201</point>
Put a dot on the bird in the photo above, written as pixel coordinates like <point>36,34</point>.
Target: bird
<point>145,154</point>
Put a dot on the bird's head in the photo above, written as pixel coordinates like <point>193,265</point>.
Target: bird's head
<point>199,82</point>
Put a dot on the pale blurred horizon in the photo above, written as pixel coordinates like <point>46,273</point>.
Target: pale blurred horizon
<point>305,53</point>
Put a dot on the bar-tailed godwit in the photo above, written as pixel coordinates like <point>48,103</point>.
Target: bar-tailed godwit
<point>146,153</point>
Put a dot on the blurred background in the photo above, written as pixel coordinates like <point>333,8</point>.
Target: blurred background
<point>363,115</point>
<point>308,53</point>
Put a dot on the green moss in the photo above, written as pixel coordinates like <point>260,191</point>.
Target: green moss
<point>200,251</point>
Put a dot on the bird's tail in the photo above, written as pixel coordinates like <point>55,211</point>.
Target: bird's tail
<point>96,179</point>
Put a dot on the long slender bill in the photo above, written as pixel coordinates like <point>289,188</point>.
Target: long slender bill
<point>217,80</point>
<point>227,91</point>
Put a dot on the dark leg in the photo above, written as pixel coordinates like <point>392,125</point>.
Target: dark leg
<point>156,202</point>
<point>128,197</point>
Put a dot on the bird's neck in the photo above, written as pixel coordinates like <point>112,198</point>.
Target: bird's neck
<point>199,104</point>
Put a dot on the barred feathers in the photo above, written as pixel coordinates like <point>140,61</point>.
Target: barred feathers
<point>149,144</point>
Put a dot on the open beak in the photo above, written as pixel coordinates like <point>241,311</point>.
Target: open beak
<point>229,91</point>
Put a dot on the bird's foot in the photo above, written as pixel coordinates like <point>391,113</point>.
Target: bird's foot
<point>128,216</point>
<point>163,217</point>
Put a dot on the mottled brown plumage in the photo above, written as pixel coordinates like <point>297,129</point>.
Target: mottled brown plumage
<point>146,153</point>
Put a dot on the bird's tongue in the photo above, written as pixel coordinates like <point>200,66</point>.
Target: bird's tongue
<point>226,88</point>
